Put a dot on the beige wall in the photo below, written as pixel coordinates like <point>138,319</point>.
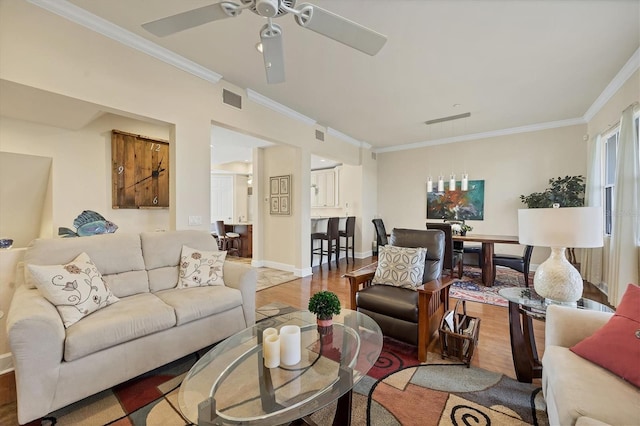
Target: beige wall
<point>610,114</point>
<point>81,168</point>
<point>509,165</point>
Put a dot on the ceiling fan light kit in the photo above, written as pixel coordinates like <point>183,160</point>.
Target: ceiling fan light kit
<point>307,15</point>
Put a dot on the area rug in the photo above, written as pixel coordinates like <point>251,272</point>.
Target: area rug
<point>267,277</point>
<point>398,390</point>
<point>470,287</point>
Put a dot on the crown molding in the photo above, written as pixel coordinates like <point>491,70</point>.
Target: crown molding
<point>95,23</point>
<point>275,106</point>
<point>485,135</point>
<point>623,75</point>
<point>346,138</point>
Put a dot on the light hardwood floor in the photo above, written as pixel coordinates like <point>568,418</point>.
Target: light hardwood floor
<point>494,348</point>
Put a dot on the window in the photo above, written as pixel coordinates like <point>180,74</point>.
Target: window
<point>610,150</point>
<point>610,158</point>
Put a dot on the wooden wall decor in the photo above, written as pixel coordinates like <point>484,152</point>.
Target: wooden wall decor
<point>139,171</point>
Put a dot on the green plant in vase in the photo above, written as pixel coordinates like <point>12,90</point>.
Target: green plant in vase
<point>325,304</point>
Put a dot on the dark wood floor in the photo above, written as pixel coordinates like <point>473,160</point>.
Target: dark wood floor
<point>493,352</point>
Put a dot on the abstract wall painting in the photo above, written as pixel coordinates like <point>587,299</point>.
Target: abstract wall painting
<point>458,204</point>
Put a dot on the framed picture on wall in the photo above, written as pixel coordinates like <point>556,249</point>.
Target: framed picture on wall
<point>275,205</point>
<point>458,204</point>
<point>280,192</point>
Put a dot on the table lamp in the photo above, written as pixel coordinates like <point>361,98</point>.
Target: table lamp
<point>556,279</point>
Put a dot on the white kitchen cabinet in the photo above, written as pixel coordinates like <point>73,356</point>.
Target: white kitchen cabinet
<point>324,188</point>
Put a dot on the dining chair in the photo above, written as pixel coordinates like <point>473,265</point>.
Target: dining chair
<point>517,263</point>
<point>332,237</point>
<point>381,233</point>
<point>452,258</point>
<point>229,241</point>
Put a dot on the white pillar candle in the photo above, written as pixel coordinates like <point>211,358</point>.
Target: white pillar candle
<point>271,349</point>
<point>290,345</point>
<point>268,332</point>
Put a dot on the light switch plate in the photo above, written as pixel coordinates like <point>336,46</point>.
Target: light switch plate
<point>195,220</point>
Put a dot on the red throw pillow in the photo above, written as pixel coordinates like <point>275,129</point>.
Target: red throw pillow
<point>616,345</point>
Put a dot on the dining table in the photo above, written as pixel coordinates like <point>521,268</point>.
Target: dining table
<point>488,241</point>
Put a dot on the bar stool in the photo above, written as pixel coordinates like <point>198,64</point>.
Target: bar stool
<point>349,232</point>
<point>229,241</point>
<point>332,235</point>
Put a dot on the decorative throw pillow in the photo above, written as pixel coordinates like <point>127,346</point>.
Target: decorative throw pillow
<point>76,289</point>
<point>616,345</point>
<point>200,268</point>
<point>400,266</point>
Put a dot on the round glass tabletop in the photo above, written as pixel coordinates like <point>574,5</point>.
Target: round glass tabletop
<point>232,377</point>
<point>537,305</point>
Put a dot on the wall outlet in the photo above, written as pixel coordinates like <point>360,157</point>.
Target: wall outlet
<point>195,220</point>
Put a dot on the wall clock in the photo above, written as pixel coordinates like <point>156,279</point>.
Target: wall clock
<point>140,171</point>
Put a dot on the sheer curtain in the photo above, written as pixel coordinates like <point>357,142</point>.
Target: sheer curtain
<point>624,249</point>
<point>591,260</point>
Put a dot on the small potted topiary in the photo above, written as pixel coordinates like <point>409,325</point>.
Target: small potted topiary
<point>325,305</point>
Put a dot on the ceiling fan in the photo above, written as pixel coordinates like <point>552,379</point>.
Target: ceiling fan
<point>306,15</point>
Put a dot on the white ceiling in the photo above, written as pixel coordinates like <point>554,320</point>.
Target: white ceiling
<point>510,63</point>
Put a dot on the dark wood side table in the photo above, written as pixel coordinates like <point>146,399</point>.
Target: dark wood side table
<point>525,306</point>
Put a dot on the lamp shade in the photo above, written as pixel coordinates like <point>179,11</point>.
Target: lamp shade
<point>561,227</point>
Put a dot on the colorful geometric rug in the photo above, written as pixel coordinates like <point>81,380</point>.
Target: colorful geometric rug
<point>398,390</point>
<point>470,287</point>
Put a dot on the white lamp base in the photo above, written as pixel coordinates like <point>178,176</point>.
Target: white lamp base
<point>557,279</point>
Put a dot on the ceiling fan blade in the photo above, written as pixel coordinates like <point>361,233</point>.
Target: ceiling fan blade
<point>273,53</point>
<point>192,18</point>
<point>340,29</point>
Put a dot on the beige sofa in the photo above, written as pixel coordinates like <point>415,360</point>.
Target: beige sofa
<point>578,391</point>
<point>152,324</point>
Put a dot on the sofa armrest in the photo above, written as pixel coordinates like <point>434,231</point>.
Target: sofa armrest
<point>36,338</point>
<point>243,278</point>
<point>567,326</point>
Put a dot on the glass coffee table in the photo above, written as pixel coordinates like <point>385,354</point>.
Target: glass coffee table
<point>230,384</point>
<point>524,306</point>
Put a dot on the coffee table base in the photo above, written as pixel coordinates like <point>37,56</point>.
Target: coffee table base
<point>207,415</point>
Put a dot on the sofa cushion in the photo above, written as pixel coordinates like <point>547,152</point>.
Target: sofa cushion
<point>191,304</point>
<point>76,288</point>
<point>616,345</point>
<point>162,250</point>
<point>200,267</point>
<point>133,317</point>
<point>400,266</point>
<point>128,283</point>
<point>581,388</point>
<point>111,253</point>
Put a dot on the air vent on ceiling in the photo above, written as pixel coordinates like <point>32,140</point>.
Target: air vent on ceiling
<point>449,118</point>
<point>231,98</point>
<point>320,135</point>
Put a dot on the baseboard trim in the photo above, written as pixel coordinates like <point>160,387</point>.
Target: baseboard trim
<point>6,363</point>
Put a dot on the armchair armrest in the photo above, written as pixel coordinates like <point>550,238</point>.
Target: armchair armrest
<point>358,280</point>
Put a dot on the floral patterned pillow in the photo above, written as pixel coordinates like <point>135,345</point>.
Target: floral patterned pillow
<point>200,268</point>
<point>76,289</point>
<point>400,266</point>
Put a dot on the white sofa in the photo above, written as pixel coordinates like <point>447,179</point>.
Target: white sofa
<point>152,324</point>
<point>578,391</point>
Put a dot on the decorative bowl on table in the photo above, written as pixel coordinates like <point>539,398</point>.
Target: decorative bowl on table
<point>6,243</point>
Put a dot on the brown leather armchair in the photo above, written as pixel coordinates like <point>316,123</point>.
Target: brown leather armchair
<point>409,315</point>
